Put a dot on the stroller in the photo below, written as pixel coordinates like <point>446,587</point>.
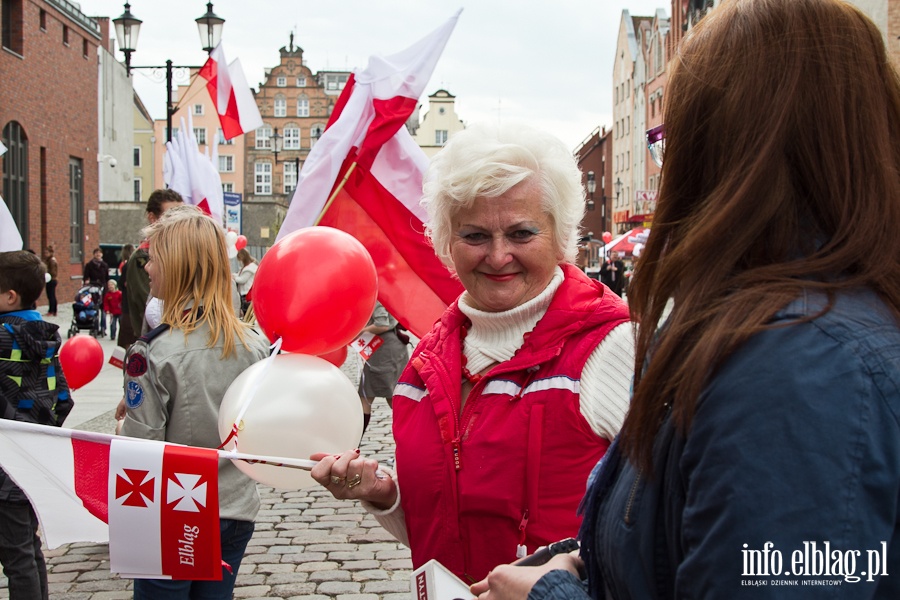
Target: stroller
<point>86,310</point>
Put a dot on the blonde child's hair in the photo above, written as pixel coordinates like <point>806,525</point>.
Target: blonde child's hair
<point>189,248</point>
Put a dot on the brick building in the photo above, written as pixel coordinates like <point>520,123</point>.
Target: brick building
<point>595,160</point>
<point>48,119</point>
<point>295,105</point>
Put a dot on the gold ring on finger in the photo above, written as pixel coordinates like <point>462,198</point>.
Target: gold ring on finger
<point>354,481</point>
<point>337,480</point>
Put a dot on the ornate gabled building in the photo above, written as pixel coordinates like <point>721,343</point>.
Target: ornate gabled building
<point>295,105</point>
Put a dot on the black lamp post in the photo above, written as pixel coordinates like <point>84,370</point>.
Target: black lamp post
<point>591,188</point>
<point>127,29</point>
<point>618,189</point>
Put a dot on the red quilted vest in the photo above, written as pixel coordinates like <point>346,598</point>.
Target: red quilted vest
<point>511,469</point>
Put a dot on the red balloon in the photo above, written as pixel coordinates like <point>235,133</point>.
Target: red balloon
<point>315,289</point>
<point>81,358</point>
<point>337,357</point>
<point>241,242</point>
<point>607,236</point>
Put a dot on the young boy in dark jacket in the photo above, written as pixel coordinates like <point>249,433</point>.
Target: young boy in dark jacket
<point>32,389</point>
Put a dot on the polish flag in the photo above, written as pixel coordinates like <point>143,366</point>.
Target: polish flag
<point>160,500</point>
<point>230,93</point>
<point>368,154</point>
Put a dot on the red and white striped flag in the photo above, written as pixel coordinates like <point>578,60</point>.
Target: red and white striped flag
<point>160,500</point>
<point>230,93</point>
<point>367,152</point>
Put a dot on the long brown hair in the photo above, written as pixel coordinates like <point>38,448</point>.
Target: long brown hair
<point>781,174</point>
<point>190,250</point>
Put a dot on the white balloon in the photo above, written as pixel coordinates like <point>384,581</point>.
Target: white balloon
<point>302,405</point>
<point>231,237</point>
<point>232,251</point>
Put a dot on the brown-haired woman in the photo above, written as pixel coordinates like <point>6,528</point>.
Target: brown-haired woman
<point>762,445</point>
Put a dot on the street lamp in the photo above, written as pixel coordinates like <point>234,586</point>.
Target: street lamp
<point>127,29</point>
<point>618,189</point>
<point>276,148</point>
<point>591,188</point>
<point>210,27</point>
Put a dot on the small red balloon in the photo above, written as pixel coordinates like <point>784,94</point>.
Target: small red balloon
<point>241,242</point>
<point>81,358</point>
<point>315,289</point>
<point>337,357</point>
<point>607,236</point>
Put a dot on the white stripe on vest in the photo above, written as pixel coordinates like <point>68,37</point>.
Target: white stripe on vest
<point>510,388</point>
<point>409,391</point>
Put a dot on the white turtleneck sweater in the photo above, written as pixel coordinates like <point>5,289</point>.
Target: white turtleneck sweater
<point>494,337</point>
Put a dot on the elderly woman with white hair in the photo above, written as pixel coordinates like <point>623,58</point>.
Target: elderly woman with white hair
<point>510,400</point>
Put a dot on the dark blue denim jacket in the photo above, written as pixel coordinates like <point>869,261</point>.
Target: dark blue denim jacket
<point>793,456</point>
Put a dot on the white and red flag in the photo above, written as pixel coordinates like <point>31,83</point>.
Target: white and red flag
<point>364,176</point>
<point>194,174</point>
<point>160,500</point>
<point>230,93</point>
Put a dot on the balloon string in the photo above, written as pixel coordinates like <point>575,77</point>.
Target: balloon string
<point>275,348</point>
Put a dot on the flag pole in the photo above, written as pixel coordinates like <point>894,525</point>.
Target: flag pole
<point>336,191</point>
<point>275,461</point>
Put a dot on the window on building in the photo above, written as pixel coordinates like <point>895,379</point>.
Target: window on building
<point>291,137</point>
<point>220,135</point>
<point>301,82</point>
<point>263,178</point>
<point>15,174</point>
<point>281,82</point>
<point>440,137</point>
<point>198,110</point>
<point>290,176</point>
<point>43,19</point>
<point>84,48</point>
<point>200,134</point>
<point>302,106</point>
<point>12,25</point>
<point>66,35</point>
<point>226,163</point>
<point>228,187</point>
<point>280,106</point>
<point>138,187</point>
<point>264,138</point>
<point>137,156</point>
<point>76,210</point>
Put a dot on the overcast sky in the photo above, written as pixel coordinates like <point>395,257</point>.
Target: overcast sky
<point>547,62</point>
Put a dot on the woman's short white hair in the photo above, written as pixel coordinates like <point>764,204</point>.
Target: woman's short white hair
<point>486,161</point>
